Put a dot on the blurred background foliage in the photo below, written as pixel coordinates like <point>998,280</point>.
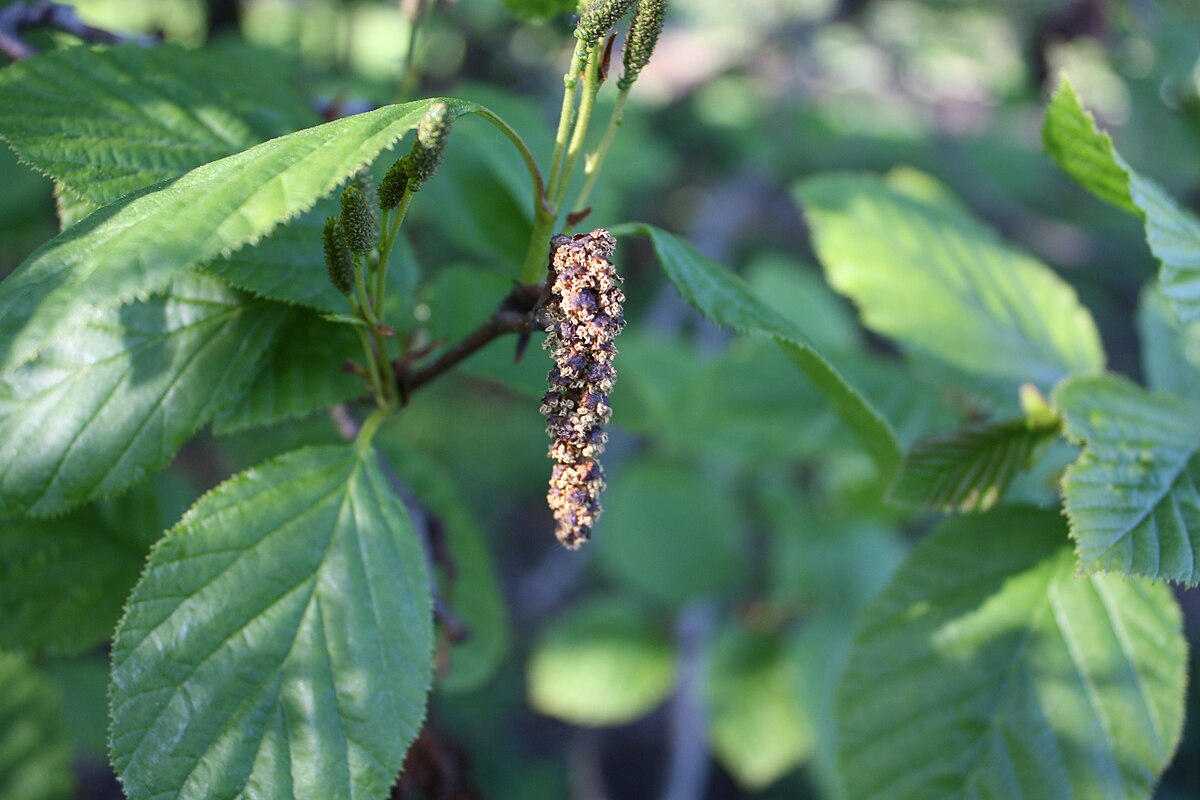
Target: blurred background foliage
<point>744,528</point>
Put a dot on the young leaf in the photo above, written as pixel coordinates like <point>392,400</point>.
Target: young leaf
<point>113,399</point>
<point>967,469</point>
<point>1071,138</point>
<point>280,640</point>
<point>63,582</point>
<point>35,757</point>
<point>139,243</point>
<point>990,668</point>
<point>758,725</point>
<point>670,534</point>
<point>724,298</point>
<point>930,277</point>
<point>1087,155</point>
<point>1170,351</point>
<point>301,373</point>
<point>109,121</point>
<point>601,664</point>
<point>1132,496</point>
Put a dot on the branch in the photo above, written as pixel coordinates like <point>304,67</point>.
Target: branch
<point>516,314</point>
<point>20,17</point>
<point>427,526</point>
<point>687,768</point>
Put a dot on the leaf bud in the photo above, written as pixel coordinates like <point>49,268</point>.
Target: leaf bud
<point>338,260</point>
<point>358,221</point>
<point>433,133</point>
<point>643,36</point>
<point>598,18</point>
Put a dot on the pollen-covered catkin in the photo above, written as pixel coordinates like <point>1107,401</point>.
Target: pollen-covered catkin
<point>585,315</point>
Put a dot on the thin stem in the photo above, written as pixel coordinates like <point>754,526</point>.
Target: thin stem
<point>539,186</point>
<point>387,241</point>
<point>546,212</point>
<point>567,115</point>
<point>515,315</point>
<point>591,86</point>
<point>365,308</point>
<point>372,365</point>
<point>592,164</point>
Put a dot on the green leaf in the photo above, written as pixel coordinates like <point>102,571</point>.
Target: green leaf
<point>113,399</point>
<point>35,758</point>
<point>70,208</point>
<point>1087,155</point>
<point>1071,138</point>
<point>990,668</point>
<point>933,279</point>
<point>603,663</point>
<point>289,265</point>
<point>1170,351</point>
<point>758,725</point>
<point>1131,496</point>
<point>301,374</point>
<point>63,582</point>
<point>670,533</point>
<point>967,469</point>
<point>109,121</point>
<point>280,640</point>
<point>141,242</point>
<point>725,299</point>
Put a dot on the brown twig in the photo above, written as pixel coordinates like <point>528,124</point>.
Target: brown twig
<point>428,527</point>
<point>515,315</point>
<point>20,17</point>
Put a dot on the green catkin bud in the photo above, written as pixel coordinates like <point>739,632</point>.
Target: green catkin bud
<point>394,184</point>
<point>338,259</point>
<point>643,36</point>
<point>598,19</point>
<point>358,221</point>
<point>433,133</point>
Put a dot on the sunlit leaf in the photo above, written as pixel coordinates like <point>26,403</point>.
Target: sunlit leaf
<point>139,243</point>
<point>1087,155</point>
<point>280,641</point>
<point>109,121</point>
<point>1132,496</point>
<point>991,668</point>
<point>112,400</point>
<point>933,279</point>
<point>967,469</point>
<point>758,724</point>
<point>601,664</point>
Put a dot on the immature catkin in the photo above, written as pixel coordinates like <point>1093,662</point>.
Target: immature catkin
<point>394,184</point>
<point>585,315</point>
<point>433,134</point>
<point>338,259</point>
<point>643,36</point>
<point>598,18</point>
<point>358,220</point>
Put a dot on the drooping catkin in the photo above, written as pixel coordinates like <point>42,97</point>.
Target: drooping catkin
<point>585,315</point>
<point>643,36</point>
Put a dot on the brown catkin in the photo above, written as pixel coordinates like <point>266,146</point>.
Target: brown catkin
<point>585,315</point>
